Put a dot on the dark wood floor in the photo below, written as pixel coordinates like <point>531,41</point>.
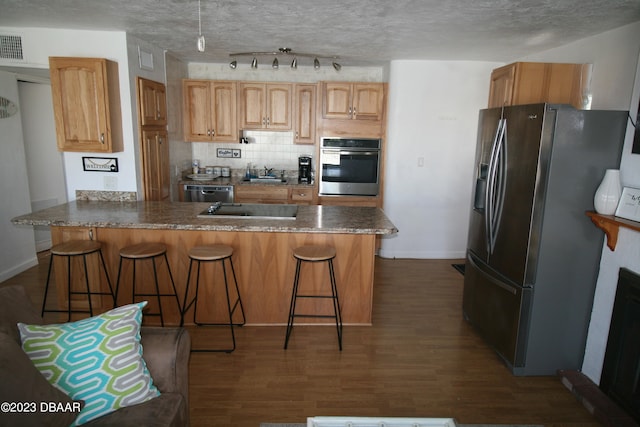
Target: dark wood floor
<point>419,359</point>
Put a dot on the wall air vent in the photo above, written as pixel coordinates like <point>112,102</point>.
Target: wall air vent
<point>11,47</point>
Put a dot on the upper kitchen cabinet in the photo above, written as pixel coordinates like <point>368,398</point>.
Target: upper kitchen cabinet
<point>86,104</point>
<point>265,106</point>
<point>533,82</point>
<point>210,111</point>
<point>304,120</point>
<point>153,103</point>
<point>352,101</point>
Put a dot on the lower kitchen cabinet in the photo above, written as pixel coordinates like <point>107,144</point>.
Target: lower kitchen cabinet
<point>261,193</point>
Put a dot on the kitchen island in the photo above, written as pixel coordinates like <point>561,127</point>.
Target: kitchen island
<point>262,257</point>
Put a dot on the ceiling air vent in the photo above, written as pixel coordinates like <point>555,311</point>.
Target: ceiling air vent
<point>11,47</point>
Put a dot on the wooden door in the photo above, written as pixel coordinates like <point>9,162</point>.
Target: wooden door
<point>501,87</point>
<point>153,102</point>
<point>80,104</point>
<point>336,100</point>
<point>197,110</point>
<point>278,107</point>
<point>223,107</point>
<point>252,106</point>
<point>305,114</point>
<point>155,155</point>
<point>367,101</point>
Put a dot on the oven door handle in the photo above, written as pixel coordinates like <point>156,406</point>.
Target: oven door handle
<point>364,153</point>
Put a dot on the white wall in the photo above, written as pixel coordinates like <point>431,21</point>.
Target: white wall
<point>17,250</point>
<point>38,45</point>
<point>45,169</point>
<point>431,140</point>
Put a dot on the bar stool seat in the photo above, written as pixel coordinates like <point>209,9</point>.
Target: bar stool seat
<point>148,251</point>
<point>212,253</point>
<point>314,253</point>
<point>70,249</point>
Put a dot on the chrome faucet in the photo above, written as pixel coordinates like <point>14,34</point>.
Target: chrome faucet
<point>214,207</point>
<point>267,171</point>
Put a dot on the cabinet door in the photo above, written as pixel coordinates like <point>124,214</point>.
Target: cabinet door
<point>153,103</point>
<point>305,114</point>
<point>81,104</point>
<point>278,106</point>
<point>336,100</point>
<point>501,87</point>
<point>155,164</point>
<point>252,106</point>
<point>260,194</point>
<point>223,106</point>
<point>197,111</point>
<point>367,101</point>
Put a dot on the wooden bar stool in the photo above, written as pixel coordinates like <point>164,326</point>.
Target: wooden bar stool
<point>313,253</point>
<point>212,253</point>
<point>70,249</point>
<point>148,251</point>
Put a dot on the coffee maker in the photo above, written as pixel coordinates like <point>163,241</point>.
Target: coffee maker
<point>304,169</point>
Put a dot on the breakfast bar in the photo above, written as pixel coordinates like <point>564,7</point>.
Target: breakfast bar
<point>262,255</point>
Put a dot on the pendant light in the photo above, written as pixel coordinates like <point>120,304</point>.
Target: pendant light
<point>201,43</point>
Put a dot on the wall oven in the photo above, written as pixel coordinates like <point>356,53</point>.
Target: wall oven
<point>349,166</point>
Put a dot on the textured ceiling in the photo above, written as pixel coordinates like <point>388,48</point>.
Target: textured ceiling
<point>360,32</point>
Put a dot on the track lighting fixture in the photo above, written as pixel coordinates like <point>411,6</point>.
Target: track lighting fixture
<point>284,52</point>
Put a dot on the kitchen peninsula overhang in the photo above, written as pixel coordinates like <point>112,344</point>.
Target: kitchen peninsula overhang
<point>262,251</point>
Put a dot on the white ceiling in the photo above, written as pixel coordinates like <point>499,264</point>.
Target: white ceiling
<point>360,32</point>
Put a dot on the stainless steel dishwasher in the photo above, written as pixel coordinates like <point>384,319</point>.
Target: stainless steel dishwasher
<point>208,193</point>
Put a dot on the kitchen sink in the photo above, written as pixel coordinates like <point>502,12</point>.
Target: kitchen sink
<point>250,210</point>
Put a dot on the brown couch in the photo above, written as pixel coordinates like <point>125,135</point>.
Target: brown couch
<point>166,352</point>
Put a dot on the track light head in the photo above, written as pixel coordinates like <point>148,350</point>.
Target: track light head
<point>254,63</point>
<point>233,64</point>
<point>337,66</point>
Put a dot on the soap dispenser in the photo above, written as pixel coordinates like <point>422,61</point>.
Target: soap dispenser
<point>247,174</point>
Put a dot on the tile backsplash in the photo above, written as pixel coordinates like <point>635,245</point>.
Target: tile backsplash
<point>271,149</point>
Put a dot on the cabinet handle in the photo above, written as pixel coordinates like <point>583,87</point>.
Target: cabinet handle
<point>208,132</point>
<point>268,121</point>
<point>354,111</point>
<point>90,234</point>
<point>264,121</point>
<point>350,111</point>
<point>160,140</point>
<point>213,132</point>
<point>102,138</point>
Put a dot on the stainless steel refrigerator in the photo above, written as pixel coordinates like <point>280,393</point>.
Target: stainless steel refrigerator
<point>533,255</point>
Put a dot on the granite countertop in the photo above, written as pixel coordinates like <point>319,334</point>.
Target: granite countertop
<point>183,216</point>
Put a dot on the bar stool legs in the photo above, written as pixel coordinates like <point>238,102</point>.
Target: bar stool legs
<point>210,253</point>
<point>70,249</point>
<point>314,254</point>
<point>148,251</point>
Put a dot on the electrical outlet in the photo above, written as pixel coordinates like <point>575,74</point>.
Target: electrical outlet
<point>420,162</point>
<point>110,182</point>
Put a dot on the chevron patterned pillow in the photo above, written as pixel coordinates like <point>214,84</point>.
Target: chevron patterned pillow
<point>97,360</point>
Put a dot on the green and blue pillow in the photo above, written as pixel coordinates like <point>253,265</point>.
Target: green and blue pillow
<point>96,360</point>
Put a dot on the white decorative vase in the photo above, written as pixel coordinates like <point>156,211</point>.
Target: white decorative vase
<point>608,193</point>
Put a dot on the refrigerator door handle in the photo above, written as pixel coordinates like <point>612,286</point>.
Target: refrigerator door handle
<point>492,176</point>
<point>491,278</point>
<point>500,184</point>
